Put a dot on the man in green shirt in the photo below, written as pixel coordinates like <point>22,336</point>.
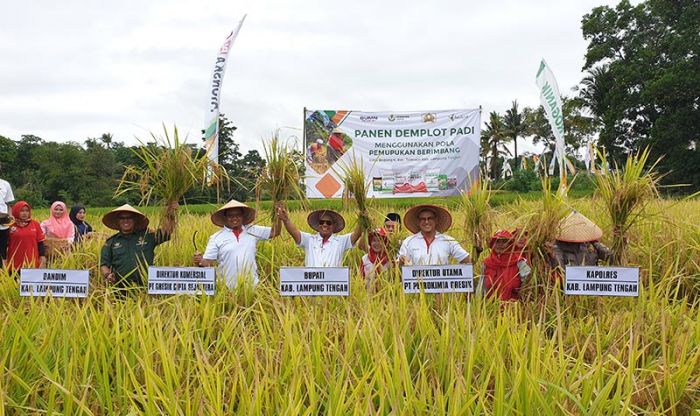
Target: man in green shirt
<point>132,249</point>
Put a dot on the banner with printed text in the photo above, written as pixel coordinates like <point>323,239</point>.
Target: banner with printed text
<point>404,154</point>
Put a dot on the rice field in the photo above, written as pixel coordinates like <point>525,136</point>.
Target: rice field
<point>253,352</point>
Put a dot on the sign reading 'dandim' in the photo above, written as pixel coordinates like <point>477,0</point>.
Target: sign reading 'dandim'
<point>181,280</point>
<point>314,281</point>
<point>447,278</point>
<point>57,283</point>
<point>602,281</point>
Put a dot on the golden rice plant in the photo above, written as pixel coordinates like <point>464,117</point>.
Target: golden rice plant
<point>625,195</point>
<point>167,170</point>
<point>280,177</point>
<point>356,187</point>
<point>478,215</point>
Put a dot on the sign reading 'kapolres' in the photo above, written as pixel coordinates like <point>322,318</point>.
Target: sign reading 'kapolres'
<point>404,154</point>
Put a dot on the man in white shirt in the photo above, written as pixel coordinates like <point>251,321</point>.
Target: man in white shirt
<point>326,248</point>
<point>6,197</point>
<point>234,246</point>
<point>428,246</point>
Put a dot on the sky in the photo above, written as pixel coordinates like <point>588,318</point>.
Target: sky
<point>73,70</point>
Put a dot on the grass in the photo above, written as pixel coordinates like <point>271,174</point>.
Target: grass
<point>249,352</point>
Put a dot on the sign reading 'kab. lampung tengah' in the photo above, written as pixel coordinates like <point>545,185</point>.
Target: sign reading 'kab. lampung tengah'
<point>438,279</point>
<point>314,281</point>
<point>57,283</point>
<point>602,281</point>
<point>181,280</point>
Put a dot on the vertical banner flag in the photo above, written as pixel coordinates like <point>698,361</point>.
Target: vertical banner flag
<point>211,119</point>
<point>551,101</point>
<point>404,154</point>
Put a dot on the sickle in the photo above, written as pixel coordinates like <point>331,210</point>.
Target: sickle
<point>194,241</point>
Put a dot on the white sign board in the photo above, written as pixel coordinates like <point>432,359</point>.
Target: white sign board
<point>58,283</point>
<point>403,154</point>
<point>181,280</point>
<point>314,281</point>
<point>449,278</point>
<point>602,281</point>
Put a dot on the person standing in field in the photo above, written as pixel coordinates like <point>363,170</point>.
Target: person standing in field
<point>58,229</point>
<point>326,248</point>
<point>504,270</point>
<point>25,247</point>
<point>377,258</point>
<point>126,253</point>
<point>428,245</point>
<point>577,243</point>
<point>6,196</point>
<point>235,245</point>
<point>77,217</point>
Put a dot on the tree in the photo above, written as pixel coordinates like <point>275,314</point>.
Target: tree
<point>494,136</point>
<point>515,125</point>
<point>643,82</point>
<point>579,127</point>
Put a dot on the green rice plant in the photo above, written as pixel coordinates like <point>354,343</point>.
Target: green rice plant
<point>625,195</point>
<point>279,178</point>
<point>478,215</point>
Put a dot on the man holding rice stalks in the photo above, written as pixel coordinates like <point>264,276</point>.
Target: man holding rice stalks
<point>235,245</point>
<point>125,254</point>
<point>326,248</point>
<point>428,246</point>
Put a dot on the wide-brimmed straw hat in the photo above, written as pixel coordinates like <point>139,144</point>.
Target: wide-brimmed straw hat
<point>576,228</point>
<point>219,216</point>
<point>315,217</point>
<point>111,219</point>
<point>443,219</point>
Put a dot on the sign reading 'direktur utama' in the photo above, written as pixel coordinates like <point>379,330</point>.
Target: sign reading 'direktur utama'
<point>181,280</point>
<point>602,281</point>
<point>438,279</point>
<point>57,283</point>
<point>403,154</point>
<point>314,281</point>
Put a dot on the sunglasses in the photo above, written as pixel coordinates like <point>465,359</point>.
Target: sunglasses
<point>325,222</point>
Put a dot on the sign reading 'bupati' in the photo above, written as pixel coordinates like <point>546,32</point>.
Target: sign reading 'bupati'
<point>314,281</point>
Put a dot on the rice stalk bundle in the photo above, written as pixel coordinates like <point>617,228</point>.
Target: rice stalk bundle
<point>356,187</point>
<point>167,170</point>
<point>280,177</point>
<point>478,215</point>
<point>625,194</point>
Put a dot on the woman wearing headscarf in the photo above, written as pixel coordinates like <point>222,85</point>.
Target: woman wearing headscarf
<point>25,246</point>
<point>377,259</point>
<point>58,229</point>
<point>77,217</point>
<point>505,269</point>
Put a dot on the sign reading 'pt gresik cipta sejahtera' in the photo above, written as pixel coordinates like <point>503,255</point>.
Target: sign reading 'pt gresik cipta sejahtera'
<point>602,281</point>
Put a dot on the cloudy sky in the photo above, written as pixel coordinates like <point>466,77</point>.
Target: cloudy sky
<point>76,69</point>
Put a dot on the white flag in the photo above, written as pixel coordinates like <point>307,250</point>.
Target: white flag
<point>551,101</point>
<point>211,119</point>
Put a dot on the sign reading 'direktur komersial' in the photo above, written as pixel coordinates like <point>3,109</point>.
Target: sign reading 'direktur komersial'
<point>602,281</point>
<point>181,280</point>
<point>438,279</point>
<point>314,281</point>
<point>57,283</point>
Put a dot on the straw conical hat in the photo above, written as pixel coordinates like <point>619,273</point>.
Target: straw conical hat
<point>443,219</point>
<point>315,217</point>
<point>576,228</point>
<point>111,219</point>
<point>219,217</point>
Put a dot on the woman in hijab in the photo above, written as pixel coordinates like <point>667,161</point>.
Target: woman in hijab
<point>26,240</point>
<point>505,269</point>
<point>77,217</point>
<point>59,230</point>
<point>376,260</point>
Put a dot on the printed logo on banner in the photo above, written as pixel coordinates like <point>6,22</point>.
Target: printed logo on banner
<point>369,119</point>
<point>455,116</point>
<point>429,118</point>
<point>396,117</point>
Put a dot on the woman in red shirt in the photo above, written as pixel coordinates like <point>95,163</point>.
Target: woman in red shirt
<point>25,246</point>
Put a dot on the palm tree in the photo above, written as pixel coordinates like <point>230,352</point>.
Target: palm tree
<point>515,126</point>
<point>494,136</point>
<point>107,139</point>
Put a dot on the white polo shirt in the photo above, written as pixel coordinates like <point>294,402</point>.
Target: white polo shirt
<point>236,255</point>
<point>437,253</point>
<point>6,196</point>
<point>330,254</point>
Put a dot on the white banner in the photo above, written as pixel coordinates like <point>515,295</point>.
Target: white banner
<point>181,280</point>
<point>59,283</point>
<point>211,119</point>
<point>602,281</point>
<point>551,101</point>
<point>447,278</point>
<point>314,281</point>
<point>404,154</point>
